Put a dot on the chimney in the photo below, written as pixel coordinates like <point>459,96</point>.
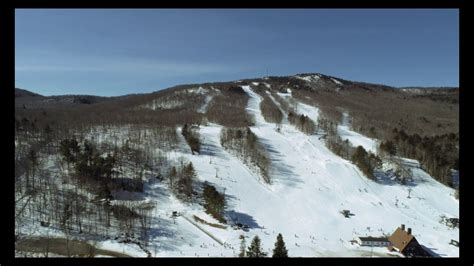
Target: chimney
<point>409,231</point>
<point>403,227</point>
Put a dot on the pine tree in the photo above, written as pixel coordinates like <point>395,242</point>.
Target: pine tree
<point>255,249</point>
<point>173,174</point>
<point>242,246</point>
<point>360,157</point>
<point>214,202</point>
<point>280,250</point>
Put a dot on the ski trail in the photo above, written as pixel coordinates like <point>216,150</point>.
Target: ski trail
<point>203,230</point>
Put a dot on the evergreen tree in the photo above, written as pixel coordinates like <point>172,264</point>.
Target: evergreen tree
<point>214,202</point>
<point>69,149</point>
<point>192,138</point>
<point>255,250</point>
<point>388,147</point>
<point>360,157</point>
<point>280,250</point>
<point>184,130</point>
<point>242,246</point>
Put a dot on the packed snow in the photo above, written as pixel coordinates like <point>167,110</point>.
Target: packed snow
<point>310,111</point>
<point>355,138</point>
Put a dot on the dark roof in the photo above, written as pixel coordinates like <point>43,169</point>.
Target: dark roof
<point>400,239</point>
<point>371,238</point>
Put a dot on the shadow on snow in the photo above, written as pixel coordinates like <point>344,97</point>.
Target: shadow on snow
<point>280,171</point>
<point>242,218</point>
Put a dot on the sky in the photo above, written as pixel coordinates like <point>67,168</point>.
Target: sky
<point>110,52</point>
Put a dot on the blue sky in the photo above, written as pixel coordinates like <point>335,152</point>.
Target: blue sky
<point>119,51</point>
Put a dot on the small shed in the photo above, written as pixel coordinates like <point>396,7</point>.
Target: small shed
<point>373,241</point>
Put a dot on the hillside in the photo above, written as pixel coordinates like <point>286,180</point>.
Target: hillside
<point>279,150</point>
<point>29,100</point>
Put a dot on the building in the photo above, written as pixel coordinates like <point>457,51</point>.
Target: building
<point>405,243</point>
<point>373,241</point>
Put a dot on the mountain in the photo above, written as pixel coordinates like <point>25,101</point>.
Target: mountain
<point>28,99</point>
<point>188,170</point>
<point>24,93</point>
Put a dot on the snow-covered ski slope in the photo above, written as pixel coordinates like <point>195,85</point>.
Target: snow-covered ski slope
<point>310,186</point>
<point>355,138</point>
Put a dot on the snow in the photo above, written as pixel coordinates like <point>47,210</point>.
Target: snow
<point>308,110</point>
<point>310,185</point>
<point>163,104</point>
<point>336,81</point>
<point>203,108</point>
<point>169,103</point>
<point>413,91</point>
<point>199,90</point>
<point>338,183</point>
<point>274,100</point>
<point>286,94</point>
<point>132,250</point>
<point>355,138</point>
<point>309,78</point>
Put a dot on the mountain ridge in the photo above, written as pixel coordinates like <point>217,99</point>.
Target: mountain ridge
<point>325,77</point>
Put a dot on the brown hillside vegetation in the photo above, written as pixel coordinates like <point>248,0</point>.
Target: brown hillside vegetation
<point>228,108</point>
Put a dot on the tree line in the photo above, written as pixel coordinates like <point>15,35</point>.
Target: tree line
<point>437,154</point>
<point>191,135</point>
<point>214,202</point>
<point>367,162</point>
<point>302,122</point>
<point>244,143</point>
<point>228,107</point>
<point>181,180</point>
<point>270,111</point>
<point>255,250</point>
